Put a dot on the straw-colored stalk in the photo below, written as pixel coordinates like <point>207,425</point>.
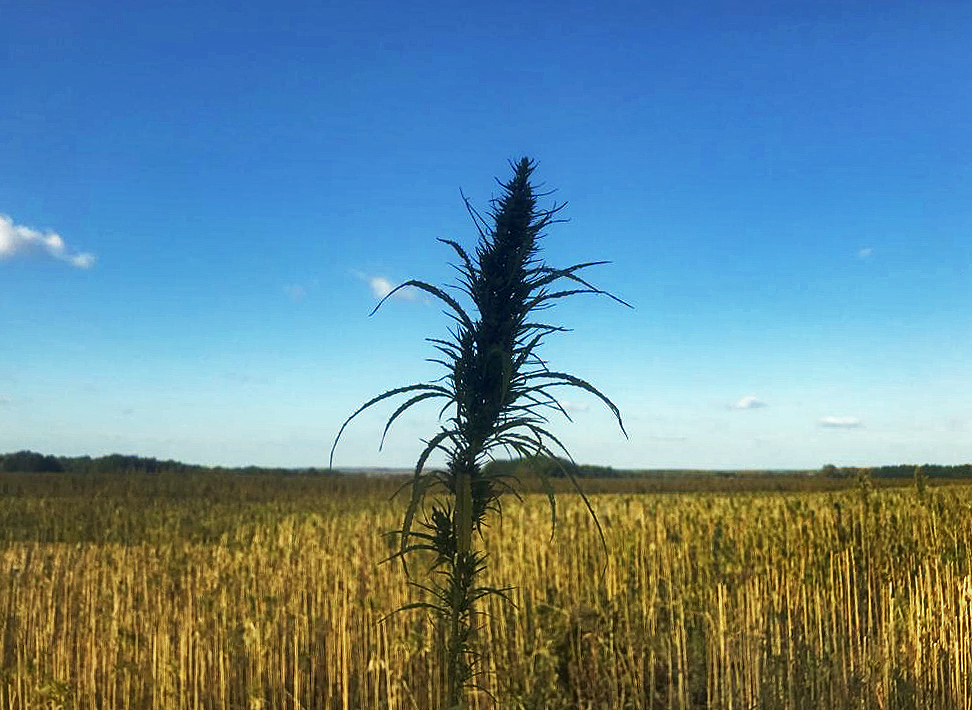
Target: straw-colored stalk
<point>709,601</point>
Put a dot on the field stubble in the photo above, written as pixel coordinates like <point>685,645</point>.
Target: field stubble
<point>252,592</point>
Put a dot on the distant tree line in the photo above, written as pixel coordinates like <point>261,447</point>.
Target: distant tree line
<point>32,462</point>
<point>549,467</point>
<point>929,470</point>
<point>559,468</point>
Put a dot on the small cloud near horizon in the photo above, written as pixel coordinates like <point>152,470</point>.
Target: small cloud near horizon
<point>16,239</point>
<point>951,424</point>
<point>380,287</point>
<point>865,253</point>
<point>840,422</point>
<point>574,406</point>
<point>748,402</point>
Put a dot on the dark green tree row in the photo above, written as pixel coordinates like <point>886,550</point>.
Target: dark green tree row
<point>558,468</point>
<point>899,471</point>
<point>549,467</point>
<point>32,462</point>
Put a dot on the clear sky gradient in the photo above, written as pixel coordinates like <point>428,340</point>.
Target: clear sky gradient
<point>201,202</point>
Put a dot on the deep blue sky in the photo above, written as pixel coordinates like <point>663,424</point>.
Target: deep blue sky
<point>201,201</point>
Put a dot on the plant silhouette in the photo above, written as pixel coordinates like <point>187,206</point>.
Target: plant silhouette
<point>497,394</point>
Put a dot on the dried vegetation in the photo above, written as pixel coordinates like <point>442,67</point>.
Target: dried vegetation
<point>264,592</point>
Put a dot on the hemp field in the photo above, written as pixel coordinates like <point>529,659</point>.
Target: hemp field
<point>253,592</point>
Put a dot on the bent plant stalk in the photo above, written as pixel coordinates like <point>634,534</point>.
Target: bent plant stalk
<point>498,394</point>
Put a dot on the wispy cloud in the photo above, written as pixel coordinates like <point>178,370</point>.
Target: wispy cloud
<point>865,253</point>
<point>955,424</point>
<point>748,402</point>
<point>571,406</point>
<point>16,239</point>
<point>840,422</point>
<point>4,401</point>
<point>381,287</point>
<point>295,291</point>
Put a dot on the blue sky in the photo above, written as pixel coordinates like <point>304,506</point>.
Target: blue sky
<point>201,202</point>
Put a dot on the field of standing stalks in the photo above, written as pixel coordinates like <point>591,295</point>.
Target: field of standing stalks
<point>251,592</point>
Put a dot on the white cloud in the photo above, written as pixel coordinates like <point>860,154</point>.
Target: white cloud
<point>295,291</point>
<point>16,239</point>
<point>4,401</point>
<point>381,287</point>
<point>748,402</point>
<point>840,422</point>
<point>864,253</point>
<point>574,406</point>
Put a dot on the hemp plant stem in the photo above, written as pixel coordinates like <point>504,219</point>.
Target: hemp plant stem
<point>499,394</point>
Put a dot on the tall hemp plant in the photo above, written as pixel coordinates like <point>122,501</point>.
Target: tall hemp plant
<point>497,393</point>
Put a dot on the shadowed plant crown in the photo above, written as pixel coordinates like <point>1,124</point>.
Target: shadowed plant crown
<point>497,394</point>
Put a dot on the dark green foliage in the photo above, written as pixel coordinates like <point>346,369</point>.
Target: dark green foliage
<point>126,464</point>
<point>550,467</point>
<point>498,393</point>
<point>901,471</point>
<point>28,461</point>
<point>498,389</point>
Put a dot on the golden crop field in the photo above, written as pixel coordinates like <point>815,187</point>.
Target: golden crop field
<point>250,592</point>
